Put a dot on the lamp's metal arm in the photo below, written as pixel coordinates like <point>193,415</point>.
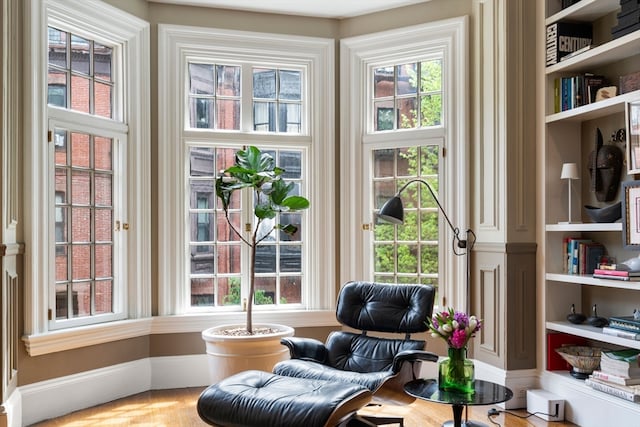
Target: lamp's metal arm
<point>461,243</point>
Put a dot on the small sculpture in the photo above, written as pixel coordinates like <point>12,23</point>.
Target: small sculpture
<point>605,166</point>
<point>575,318</point>
<point>636,314</point>
<point>595,320</point>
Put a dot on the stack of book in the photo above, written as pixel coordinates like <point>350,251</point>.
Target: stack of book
<point>619,374</point>
<point>628,18</point>
<point>605,273</point>
<point>624,327</point>
<point>582,255</point>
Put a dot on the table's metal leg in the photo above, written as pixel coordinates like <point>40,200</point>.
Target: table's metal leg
<point>457,417</point>
<point>466,422</point>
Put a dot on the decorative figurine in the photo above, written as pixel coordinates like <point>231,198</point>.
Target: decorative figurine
<point>575,318</point>
<point>596,320</point>
<point>605,166</point>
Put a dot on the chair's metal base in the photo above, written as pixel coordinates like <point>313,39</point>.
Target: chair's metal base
<point>371,421</point>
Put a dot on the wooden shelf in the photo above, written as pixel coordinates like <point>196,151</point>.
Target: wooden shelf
<point>587,226</point>
<point>590,332</point>
<point>613,51</point>
<point>603,108</point>
<point>587,279</point>
<point>585,10</point>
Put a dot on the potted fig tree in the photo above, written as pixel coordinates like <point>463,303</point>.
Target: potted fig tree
<point>257,171</point>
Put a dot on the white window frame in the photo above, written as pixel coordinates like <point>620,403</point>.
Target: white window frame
<point>176,46</point>
<point>104,23</point>
<point>357,56</point>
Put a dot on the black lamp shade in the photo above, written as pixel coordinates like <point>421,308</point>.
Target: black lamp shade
<point>392,211</point>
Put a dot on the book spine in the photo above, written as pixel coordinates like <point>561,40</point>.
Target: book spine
<point>611,277</point>
<point>606,388</point>
<point>622,333</point>
<point>622,324</point>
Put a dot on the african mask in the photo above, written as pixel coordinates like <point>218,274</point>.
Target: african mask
<point>605,166</point>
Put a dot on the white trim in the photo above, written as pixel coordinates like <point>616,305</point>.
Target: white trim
<point>69,339</point>
<point>356,55</point>
<point>175,45</point>
<point>114,25</point>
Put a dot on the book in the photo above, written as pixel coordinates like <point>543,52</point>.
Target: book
<point>619,273</point>
<point>613,389</point>
<point>628,323</point>
<point>615,379</point>
<point>623,363</point>
<point>592,252</point>
<point>562,38</point>
<point>622,333</point>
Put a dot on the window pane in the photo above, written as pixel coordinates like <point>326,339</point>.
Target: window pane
<point>229,259</point>
<point>290,290</point>
<point>81,299</point>
<point>80,55</point>
<point>383,82</point>
<point>80,150</point>
<point>407,113</point>
<point>264,83</point>
<point>229,291</point>
<point>57,48</point>
<point>103,157</point>
<point>407,78</point>
<point>104,297</point>
<point>103,99</point>
<point>264,115</point>
<point>290,85</point>
<point>228,113</point>
<point>228,81</point>
<point>57,89</point>
<point>80,187</point>
<point>201,79</point>
<point>80,100</point>
<point>103,189</point>
<point>383,165</point>
<point>202,259</point>
<point>81,223</point>
<point>431,107</point>
<point>290,118</point>
<point>104,225</point>
<point>202,292</point>
<point>81,262</point>
<point>290,259</point>
<point>103,261</point>
<point>431,76</point>
<point>265,290</point>
<point>102,58</point>
<point>62,302</point>
<point>201,112</point>
<point>383,115</point>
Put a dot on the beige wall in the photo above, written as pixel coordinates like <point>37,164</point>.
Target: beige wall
<point>34,369</point>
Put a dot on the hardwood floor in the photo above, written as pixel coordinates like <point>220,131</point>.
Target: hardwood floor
<point>177,408</point>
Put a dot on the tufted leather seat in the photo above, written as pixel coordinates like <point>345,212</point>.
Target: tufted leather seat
<point>382,365</point>
<point>259,399</point>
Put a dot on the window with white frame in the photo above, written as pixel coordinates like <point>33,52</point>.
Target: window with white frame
<point>229,90</point>
<point>408,110</point>
<point>87,223</point>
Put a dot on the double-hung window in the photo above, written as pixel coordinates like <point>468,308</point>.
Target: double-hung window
<point>87,223</point>
<point>405,121</point>
<point>224,91</point>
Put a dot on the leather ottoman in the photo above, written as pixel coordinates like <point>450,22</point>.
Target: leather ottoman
<point>261,399</point>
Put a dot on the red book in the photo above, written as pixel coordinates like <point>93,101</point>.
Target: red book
<point>619,273</point>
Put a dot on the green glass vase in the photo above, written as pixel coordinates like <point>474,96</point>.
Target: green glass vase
<point>456,373</point>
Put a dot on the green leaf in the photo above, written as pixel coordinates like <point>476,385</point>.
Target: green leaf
<point>289,229</point>
<point>295,203</point>
<point>264,211</point>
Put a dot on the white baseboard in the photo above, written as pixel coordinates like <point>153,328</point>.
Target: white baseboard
<point>53,398</point>
<point>518,381</point>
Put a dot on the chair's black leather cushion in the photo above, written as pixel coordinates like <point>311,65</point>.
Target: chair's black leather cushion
<point>259,399</point>
<point>385,307</point>
<point>353,358</point>
<point>317,371</point>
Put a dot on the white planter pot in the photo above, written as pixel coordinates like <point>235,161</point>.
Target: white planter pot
<point>229,355</point>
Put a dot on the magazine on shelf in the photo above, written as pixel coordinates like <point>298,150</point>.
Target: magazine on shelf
<point>622,333</point>
<point>627,323</point>
<point>614,390</point>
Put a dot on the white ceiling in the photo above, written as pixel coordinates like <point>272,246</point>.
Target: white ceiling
<point>319,8</point>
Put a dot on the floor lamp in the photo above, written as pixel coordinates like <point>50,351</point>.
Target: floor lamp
<point>393,211</point>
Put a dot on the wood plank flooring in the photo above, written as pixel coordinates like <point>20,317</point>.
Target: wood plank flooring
<point>177,408</point>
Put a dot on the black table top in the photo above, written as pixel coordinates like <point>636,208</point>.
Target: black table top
<point>486,393</point>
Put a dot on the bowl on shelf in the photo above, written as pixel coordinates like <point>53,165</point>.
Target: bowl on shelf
<point>583,359</point>
<point>610,213</point>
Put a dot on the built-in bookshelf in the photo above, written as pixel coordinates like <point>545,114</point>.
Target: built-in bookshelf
<point>569,138</point>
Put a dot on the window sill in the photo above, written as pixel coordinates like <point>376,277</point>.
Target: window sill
<point>85,336</point>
